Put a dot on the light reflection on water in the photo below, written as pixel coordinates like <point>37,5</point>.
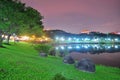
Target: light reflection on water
<point>89,48</point>
<point>109,54</point>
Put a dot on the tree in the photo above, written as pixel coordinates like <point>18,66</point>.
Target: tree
<point>33,23</point>
<point>16,18</point>
<point>9,11</point>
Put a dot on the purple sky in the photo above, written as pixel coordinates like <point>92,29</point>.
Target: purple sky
<point>77,15</point>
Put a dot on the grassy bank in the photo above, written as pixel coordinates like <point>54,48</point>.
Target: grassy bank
<point>21,62</point>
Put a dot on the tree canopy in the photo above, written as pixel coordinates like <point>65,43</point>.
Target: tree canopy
<point>16,17</point>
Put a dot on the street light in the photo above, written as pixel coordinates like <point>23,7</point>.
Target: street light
<point>62,39</point>
<point>57,38</point>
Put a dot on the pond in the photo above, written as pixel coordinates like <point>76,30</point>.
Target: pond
<point>103,54</point>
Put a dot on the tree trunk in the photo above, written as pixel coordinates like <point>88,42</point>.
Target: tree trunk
<point>1,40</point>
<point>8,39</point>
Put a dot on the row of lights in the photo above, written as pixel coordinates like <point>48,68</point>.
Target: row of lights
<point>27,38</point>
<point>41,39</point>
<point>85,47</point>
<point>83,39</point>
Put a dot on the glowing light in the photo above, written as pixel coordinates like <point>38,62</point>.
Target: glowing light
<point>62,47</point>
<point>96,46</point>
<point>41,40</point>
<point>109,47</point>
<point>69,47</point>
<point>74,38</point>
<point>86,46</point>
<point>108,39</point>
<point>56,48</point>
<point>95,40</point>
<point>43,37</point>
<point>69,39</point>
<point>33,36</point>
<point>24,38</point>
<point>116,39</point>
<point>116,46</point>
<point>86,39</point>
<point>62,39</point>
<point>2,35</point>
<point>77,39</point>
<point>57,38</point>
<point>46,39</point>
<point>77,46</point>
<point>82,39</point>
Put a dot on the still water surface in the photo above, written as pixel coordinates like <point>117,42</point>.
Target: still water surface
<point>103,54</point>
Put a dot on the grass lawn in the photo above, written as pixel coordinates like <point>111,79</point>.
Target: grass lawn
<point>21,62</point>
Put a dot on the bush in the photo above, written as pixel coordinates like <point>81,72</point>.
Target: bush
<point>3,73</point>
<point>58,76</point>
<point>52,52</point>
<point>43,48</point>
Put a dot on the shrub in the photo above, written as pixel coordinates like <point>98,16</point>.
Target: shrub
<point>52,52</point>
<point>3,73</point>
<point>43,48</point>
<point>58,76</point>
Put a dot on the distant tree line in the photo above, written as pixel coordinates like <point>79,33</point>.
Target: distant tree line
<point>102,37</point>
<point>18,19</point>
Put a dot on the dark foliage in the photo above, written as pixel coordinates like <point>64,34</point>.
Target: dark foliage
<point>43,48</point>
<point>58,76</point>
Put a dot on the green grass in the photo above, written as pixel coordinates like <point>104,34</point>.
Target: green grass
<point>21,62</point>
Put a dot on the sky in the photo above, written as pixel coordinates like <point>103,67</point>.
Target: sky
<point>75,16</point>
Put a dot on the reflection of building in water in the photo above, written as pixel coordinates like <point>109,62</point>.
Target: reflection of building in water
<point>89,48</point>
